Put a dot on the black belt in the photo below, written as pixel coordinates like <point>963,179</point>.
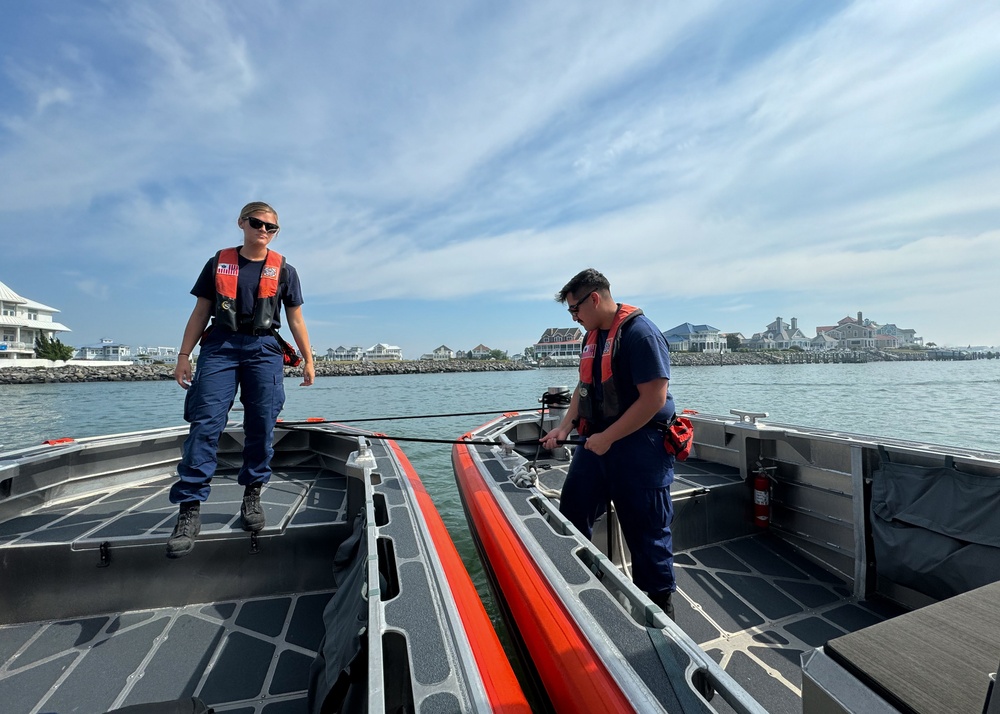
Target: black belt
<point>250,330</point>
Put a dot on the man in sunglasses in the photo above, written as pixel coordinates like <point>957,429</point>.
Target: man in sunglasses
<point>242,289</point>
<point>623,389</point>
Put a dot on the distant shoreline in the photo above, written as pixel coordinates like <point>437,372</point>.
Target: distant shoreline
<point>81,372</point>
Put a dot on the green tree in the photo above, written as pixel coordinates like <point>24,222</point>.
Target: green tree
<point>498,354</point>
<point>732,342</point>
<point>52,349</point>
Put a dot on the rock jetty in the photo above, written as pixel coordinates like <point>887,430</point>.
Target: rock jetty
<point>703,359</point>
<point>150,373</point>
<point>156,372</point>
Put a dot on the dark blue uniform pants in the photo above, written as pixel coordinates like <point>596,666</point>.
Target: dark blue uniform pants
<point>227,360</point>
<point>635,474</point>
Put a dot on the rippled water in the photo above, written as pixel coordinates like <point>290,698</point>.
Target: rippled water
<point>953,403</point>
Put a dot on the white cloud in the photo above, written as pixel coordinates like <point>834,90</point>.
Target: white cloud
<point>94,288</point>
<point>691,150</point>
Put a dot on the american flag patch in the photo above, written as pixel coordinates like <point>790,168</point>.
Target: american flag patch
<point>269,272</point>
<point>228,269</point>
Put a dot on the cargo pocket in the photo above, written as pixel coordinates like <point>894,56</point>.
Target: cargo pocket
<point>189,398</point>
<point>278,394</point>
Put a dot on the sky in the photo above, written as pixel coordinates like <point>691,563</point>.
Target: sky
<point>440,170</point>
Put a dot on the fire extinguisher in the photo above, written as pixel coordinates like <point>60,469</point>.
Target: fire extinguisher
<point>762,496</point>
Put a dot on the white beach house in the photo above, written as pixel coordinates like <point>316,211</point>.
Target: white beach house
<point>22,321</point>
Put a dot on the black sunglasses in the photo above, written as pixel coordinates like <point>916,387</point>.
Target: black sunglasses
<point>257,224</point>
<point>575,307</point>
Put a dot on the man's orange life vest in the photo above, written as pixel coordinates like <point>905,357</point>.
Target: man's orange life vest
<point>227,273</point>
<point>609,408</point>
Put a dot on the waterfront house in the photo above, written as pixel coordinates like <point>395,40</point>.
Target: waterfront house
<point>902,336</point>
<point>854,334</point>
<point>695,338</point>
<point>166,355</point>
<point>22,321</point>
<point>886,342</point>
<point>780,335</point>
<point>107,350</point>
<point>823,340</point>
<point>441,353</point>
<point>741,341</point>
<point>480,351</point>
<point>559,344</point>
<point>382,352</point>
<point>346,354</point>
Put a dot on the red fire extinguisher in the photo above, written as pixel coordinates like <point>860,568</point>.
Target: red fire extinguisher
<point>762,496</point>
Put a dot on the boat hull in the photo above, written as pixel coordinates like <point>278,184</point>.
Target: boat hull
<point>751,601</point>
<point>242,622</point>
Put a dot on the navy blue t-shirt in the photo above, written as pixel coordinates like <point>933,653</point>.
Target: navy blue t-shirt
<point>643,356</point>
<point>289,289</point>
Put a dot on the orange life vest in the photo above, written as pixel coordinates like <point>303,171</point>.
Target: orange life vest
<point>227,274</point>
<point>609,408</point>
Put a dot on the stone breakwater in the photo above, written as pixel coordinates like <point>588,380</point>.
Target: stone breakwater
<point>702,359</point>
<point>152,373</point>
<point>156,372</point>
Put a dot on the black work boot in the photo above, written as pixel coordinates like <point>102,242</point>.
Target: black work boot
<point>664,601</point>
<point>188,527</point>
<point>253,514</point>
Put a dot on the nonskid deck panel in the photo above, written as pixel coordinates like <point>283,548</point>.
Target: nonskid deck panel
<point>240,655</point>
<point>138,514</point>
<point>755,605</point>
<point>231,654</point>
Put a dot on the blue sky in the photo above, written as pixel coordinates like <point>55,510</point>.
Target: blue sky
<point>440,172</point>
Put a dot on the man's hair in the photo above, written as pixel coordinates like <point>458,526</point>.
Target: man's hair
<point>586,281</point>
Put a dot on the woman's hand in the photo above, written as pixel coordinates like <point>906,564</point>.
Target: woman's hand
<point>308,373</point>
<point>182,372</point>
<point>297,324</point>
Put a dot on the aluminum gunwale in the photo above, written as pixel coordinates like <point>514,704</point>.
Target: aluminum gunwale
<point>565,615</point>
<point>489,676</point>
<point>625,677</point>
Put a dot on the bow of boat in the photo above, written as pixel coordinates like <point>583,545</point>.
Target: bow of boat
<point>353,593</point>
<point>790,618</point>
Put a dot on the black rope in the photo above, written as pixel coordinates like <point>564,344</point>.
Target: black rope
<point>286,424</point>
<point>547,400</point>
<point>472,442</point>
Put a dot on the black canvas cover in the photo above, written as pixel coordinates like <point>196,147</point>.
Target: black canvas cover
<point>936,530</point>
<point>338,678</point>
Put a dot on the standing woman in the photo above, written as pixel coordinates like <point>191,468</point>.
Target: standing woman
<point>242,290</point>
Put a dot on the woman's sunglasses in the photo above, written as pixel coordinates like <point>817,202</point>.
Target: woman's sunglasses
<point>257,224</point>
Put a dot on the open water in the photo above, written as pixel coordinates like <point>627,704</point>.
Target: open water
<point>949,403</point>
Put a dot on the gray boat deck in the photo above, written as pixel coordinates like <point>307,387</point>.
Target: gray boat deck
<point>753,602</point>
<point>139,514</point>
<point>231,653</point>
<point>755,605</point>
<point>241,654</point>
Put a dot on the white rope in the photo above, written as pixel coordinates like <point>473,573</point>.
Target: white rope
<point>525,477</point>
